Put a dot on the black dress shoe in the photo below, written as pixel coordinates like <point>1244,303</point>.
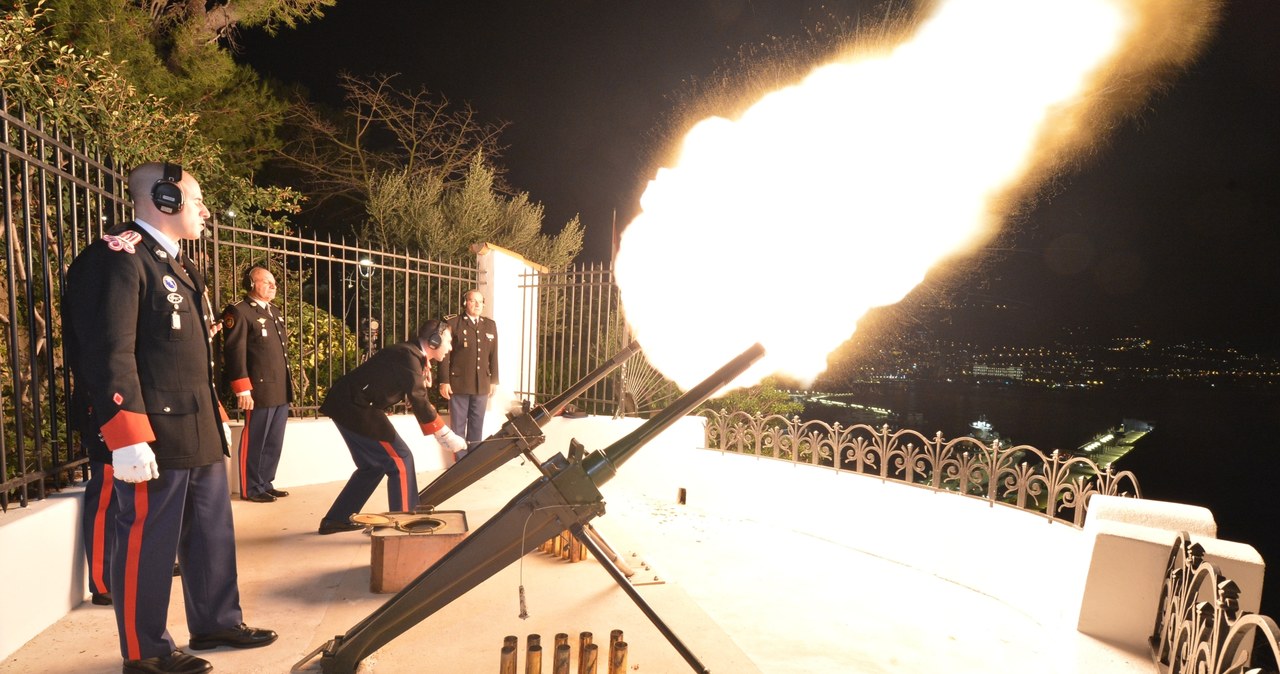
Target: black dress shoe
<point>337,526</point>
<point>177,570</point>
<point>176,662</point>
<point>240,636</point>
<point>264,497</point>
<point>101,599</point>
<point>278,493</point>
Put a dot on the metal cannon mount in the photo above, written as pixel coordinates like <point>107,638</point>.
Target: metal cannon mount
<point>565,497</point>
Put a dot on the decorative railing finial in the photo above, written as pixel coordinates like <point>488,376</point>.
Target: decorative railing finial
<point>1199,625</point>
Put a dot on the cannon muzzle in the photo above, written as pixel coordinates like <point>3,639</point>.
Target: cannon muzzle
<point>601,466</point>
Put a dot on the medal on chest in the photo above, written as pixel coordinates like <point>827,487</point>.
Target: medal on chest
<point>175,319</point>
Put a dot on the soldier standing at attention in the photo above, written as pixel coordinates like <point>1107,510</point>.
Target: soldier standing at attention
<point>469,373</point>
<point>256,367</point>
<point>142,331</point>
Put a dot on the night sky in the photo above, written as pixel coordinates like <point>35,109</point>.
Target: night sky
<point>1169,230</point>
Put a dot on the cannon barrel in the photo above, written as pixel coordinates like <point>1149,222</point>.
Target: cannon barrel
<point>521,433</point>
<point>565,497</point>
<point>601,466</point>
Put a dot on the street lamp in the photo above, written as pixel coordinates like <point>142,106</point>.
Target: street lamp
<point>369,328</point>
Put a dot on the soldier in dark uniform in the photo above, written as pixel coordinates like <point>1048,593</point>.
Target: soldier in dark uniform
<point>356,403</point>
<point>141,329</point>
<point>256,367</point>
<point>98,518</point>
<point>469,373</point>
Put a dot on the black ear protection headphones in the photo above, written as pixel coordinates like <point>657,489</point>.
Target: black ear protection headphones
<point>436,337</point>
<point>247,281</point>
<point>166,194</point>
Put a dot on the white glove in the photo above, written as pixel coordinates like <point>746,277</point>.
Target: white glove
<point>450,440</point>
<point>135,463</point>
<point>226,433</point>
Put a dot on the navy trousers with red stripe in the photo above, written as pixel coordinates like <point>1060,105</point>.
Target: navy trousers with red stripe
<point>374,459</point>
<point>187,512</point>
<point>98,525</point>
<point>261,442</point>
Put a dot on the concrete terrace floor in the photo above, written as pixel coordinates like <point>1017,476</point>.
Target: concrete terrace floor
<point>754,575</point>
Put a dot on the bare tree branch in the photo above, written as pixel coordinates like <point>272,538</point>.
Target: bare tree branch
<point>383,130</point>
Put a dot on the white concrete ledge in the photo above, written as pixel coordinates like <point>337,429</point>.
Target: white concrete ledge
<point>1125,575</point>
<point>1195,520</point>
<point>41,547</point>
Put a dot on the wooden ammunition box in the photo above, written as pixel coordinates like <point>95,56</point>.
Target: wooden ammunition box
<point>397,556</point>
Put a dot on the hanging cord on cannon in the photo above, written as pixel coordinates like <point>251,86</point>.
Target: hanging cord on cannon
<point>524,534</point>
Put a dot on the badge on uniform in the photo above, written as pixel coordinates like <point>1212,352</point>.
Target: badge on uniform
<point>262,322</point>
<point>125,241</point>
<point>169,284</point>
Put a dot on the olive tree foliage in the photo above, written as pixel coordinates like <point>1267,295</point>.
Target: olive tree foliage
<point>423,213</point>
<point>763,399</point>
<point>86,93</point>
<point>421,173</point>
<point>182,51</point>
<point>90,101</point>
<point>91,96</point>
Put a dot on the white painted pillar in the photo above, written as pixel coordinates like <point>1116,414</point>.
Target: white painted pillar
<point>503,275</point>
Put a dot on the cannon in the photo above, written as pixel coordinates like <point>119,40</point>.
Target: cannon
<point>565,497</point>
<point>520,434</point>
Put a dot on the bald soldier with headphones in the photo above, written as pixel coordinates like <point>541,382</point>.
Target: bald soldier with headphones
<point>138,337</point>
<point>256,367</point>
<point>357,402</point>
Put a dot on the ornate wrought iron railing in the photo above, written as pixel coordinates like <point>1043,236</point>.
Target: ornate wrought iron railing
<point>1055,485</point>
<point>1200,627</point>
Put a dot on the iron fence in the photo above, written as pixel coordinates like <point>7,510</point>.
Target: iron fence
<point>341,301</point>
<point>59,193</point>
<point>578,325</point>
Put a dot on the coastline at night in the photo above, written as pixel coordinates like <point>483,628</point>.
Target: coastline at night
<point>1210,410</point>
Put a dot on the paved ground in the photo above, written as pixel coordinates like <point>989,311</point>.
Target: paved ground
<point>745,591</point>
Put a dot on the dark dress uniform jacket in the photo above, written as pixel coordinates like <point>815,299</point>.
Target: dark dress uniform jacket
<point>472,366</point>
<point>81,420</point>
<point>253,353</point>
<point>142,353</point>
<point>357,401</point>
